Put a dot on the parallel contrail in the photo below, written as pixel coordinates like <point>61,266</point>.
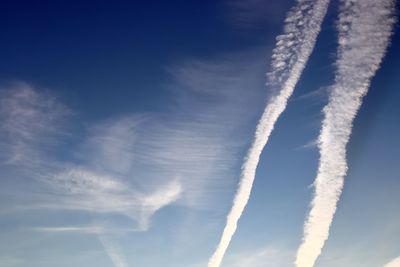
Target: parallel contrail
<point>365,27</point>
<point>393,263</point>
<point>293,48</point>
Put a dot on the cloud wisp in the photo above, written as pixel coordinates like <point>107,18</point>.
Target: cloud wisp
<point>393,263</point>
<point>114,251</point>
<point>257,257</point>
<point>364,29</point>
<point>29,121</point>
<point>122,170</point>
<point>82,189</point>
<point>293,48</point>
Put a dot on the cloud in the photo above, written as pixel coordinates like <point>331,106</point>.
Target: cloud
<point>289,58</point>
<point>199,140</point>
<point>393,263</point>
<point>258,257</point>
<point>364,29</point>
<point>70,229</point>
<point>96,182</point>
<point>250,13</point>
<point>82,189</point>
<point>309,145</point>
<point>110,145</point>
<point>114,251</point>
<point>126,168</point>
<point>29,121</point>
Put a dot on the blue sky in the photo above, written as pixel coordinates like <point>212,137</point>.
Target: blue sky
<point>124,126</point>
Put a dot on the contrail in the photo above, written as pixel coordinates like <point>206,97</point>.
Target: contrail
<point>393,263</point>
<point>293,48</point>
<point>365,27</point>
<point>113,251</point>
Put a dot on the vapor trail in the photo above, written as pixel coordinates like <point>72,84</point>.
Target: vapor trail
<point>113,251</point>
<point>289,58</point>
<point>365,27</point>
<point>393,263</point>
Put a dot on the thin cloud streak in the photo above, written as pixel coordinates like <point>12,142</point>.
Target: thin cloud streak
<point>257,257</point>
<point>364,29</point>
<point>393,263</point>
<point>289,58</point>
<point>85,190</point>
<point>28,120</point>
<point>113,251</point>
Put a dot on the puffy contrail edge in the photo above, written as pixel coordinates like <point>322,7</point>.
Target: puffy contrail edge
<point>293,48</point>
<point>365,28</point>
<point>393,263</point>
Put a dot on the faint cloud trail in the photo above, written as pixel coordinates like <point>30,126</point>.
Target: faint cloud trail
<point>364,29</point>
<point>293,48</point>
<point>113,251</point>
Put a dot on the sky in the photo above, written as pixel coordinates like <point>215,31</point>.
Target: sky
<point>129,133</point>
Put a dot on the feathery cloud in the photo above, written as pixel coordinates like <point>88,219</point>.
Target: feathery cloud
<point>275,256</point>
<point>29,121</point>
<point>249,13</point>
<point>364,29</point>
<point>82,189</point>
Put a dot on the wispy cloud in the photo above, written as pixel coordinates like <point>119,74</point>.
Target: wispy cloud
<point>110,145</point>
<point>31,120</point>
<point>199,142</point>
<point>250,13</point>
<point>274,256</point>
<point>70,229</point>
<point>137,164</point>
<point>289,58</point>
<point>114,251</point>
<point>82,189</point>
<point>393,263</point>
<point>28,122</point>
<point>364,29</point>
<point>271,255</point>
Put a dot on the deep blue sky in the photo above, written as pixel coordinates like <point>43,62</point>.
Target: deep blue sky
<point>119,51</point>
<point>108,106</point>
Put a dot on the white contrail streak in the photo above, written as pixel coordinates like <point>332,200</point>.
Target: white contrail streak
<point>365,27</point>
<point>393,263</point>
<point>293,48</point>
<point>113,251</point>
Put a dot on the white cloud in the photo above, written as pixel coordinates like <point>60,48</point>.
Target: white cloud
<point>28,121</point>
<point>136,164</point>
<point>364,29</point>
<point>110,145</point>
<point>114,251</point>
<point>289,58</point>
<point>250,13</point>
<point>393,263</point>
<point>271,256</point>
<point>82,189</point>
<point>199,141</point>
<point>31,120</point>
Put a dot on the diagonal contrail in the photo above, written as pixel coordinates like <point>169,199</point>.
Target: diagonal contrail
<point>365,27</point>
<point>113,251</point>
<point>293,48</point>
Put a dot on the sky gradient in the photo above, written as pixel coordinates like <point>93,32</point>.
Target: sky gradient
<point>124,128</point>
